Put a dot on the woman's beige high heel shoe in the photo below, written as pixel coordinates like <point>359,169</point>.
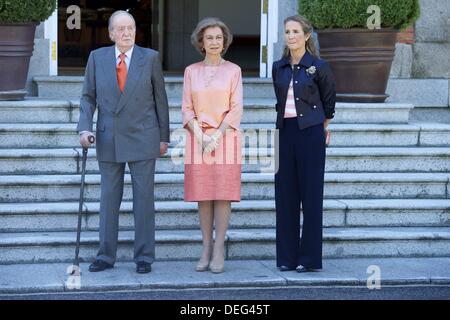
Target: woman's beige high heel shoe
<point>202,266</point>
<point>203,263</point>
<point>217,263</point>
<point>217,268</point>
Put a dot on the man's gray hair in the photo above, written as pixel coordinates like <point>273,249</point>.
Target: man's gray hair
<point>118,13</point>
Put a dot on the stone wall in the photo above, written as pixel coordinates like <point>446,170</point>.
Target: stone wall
<point>431,50</point>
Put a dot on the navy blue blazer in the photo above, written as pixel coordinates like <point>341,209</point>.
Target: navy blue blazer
<point>314,91</point>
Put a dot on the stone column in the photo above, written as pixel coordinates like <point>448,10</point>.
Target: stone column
<point>402,64</point>
<point>40,62</point>
<point>285,9</point>
<point>43,62</point>
<point>432,44</point>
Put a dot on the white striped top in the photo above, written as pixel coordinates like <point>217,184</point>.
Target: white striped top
<point>290,111</point>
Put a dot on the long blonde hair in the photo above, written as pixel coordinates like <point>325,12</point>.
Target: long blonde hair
<point>307,28</point>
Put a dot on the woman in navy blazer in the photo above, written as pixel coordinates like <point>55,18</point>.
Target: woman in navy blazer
<point>305,91</point>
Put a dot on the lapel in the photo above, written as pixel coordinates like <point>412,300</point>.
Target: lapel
<point>307,60</point>
<point>133,76</point>
<point>109,68</point>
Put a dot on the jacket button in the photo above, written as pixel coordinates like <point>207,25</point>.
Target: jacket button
<point>298,67</point>
<point>296,99</point>
<point>315,107</point>
<point>296,81</point>
<point>301,115</point>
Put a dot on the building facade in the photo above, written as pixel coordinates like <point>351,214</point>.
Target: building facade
<point>62,46</point>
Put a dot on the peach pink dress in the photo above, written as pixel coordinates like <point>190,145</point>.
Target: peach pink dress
<point>212,94</point>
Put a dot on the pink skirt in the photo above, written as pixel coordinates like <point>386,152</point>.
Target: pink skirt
<point>216,176</point>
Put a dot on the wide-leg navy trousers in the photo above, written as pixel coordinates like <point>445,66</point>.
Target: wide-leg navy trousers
<point>299,184</point>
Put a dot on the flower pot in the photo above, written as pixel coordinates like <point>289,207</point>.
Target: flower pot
<point>361,61</point>
<point>16,49</point>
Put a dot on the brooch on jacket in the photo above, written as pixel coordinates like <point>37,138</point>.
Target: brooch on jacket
<point>311,70</point>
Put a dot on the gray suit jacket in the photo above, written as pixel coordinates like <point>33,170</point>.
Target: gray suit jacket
<point>130,125</point>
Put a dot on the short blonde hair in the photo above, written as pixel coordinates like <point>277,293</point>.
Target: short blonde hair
<point>199,31</point>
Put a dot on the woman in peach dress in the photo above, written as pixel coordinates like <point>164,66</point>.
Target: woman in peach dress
<point>212,110</point>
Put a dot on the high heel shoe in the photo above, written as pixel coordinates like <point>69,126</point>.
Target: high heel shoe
<point>217,267</point>
<point>203,264</point>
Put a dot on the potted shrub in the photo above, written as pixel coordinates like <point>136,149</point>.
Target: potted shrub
<point>18,21</point>
<point>360,57</point>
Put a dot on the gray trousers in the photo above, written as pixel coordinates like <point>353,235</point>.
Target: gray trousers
<point>112,178</point>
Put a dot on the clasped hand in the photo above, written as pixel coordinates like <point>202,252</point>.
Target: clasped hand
<point>210,143</point>
<point>214,143</point>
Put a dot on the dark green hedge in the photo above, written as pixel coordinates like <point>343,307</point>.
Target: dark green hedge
<point>323,14</point>
<point>26,10</point>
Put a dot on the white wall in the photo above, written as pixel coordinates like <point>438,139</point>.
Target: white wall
<point>241,16</point>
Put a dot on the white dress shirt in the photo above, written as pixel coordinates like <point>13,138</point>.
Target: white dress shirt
<point>127,56</point>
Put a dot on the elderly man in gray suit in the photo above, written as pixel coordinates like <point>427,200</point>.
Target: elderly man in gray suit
<point>125,83</point>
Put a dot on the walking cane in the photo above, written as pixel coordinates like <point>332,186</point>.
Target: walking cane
<point>76,263</point>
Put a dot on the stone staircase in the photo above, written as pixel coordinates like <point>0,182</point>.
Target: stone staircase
<point>386,183</point>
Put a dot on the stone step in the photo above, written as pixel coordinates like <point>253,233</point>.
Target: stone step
<point>256,110</point>
<point>255,186</point>
<point>401,278</point>
<point>59,86</point>
<point>68,161</point>
<point>61,135</point>
<point>361,242</point>
<point>71,86</point>
<point>248,214</point>
<point>433,92</point>
<point>37,110</point>
<point>41,110</point>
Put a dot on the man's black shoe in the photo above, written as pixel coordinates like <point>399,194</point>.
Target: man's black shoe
<point>143,267</point>
<point>99,265</point>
